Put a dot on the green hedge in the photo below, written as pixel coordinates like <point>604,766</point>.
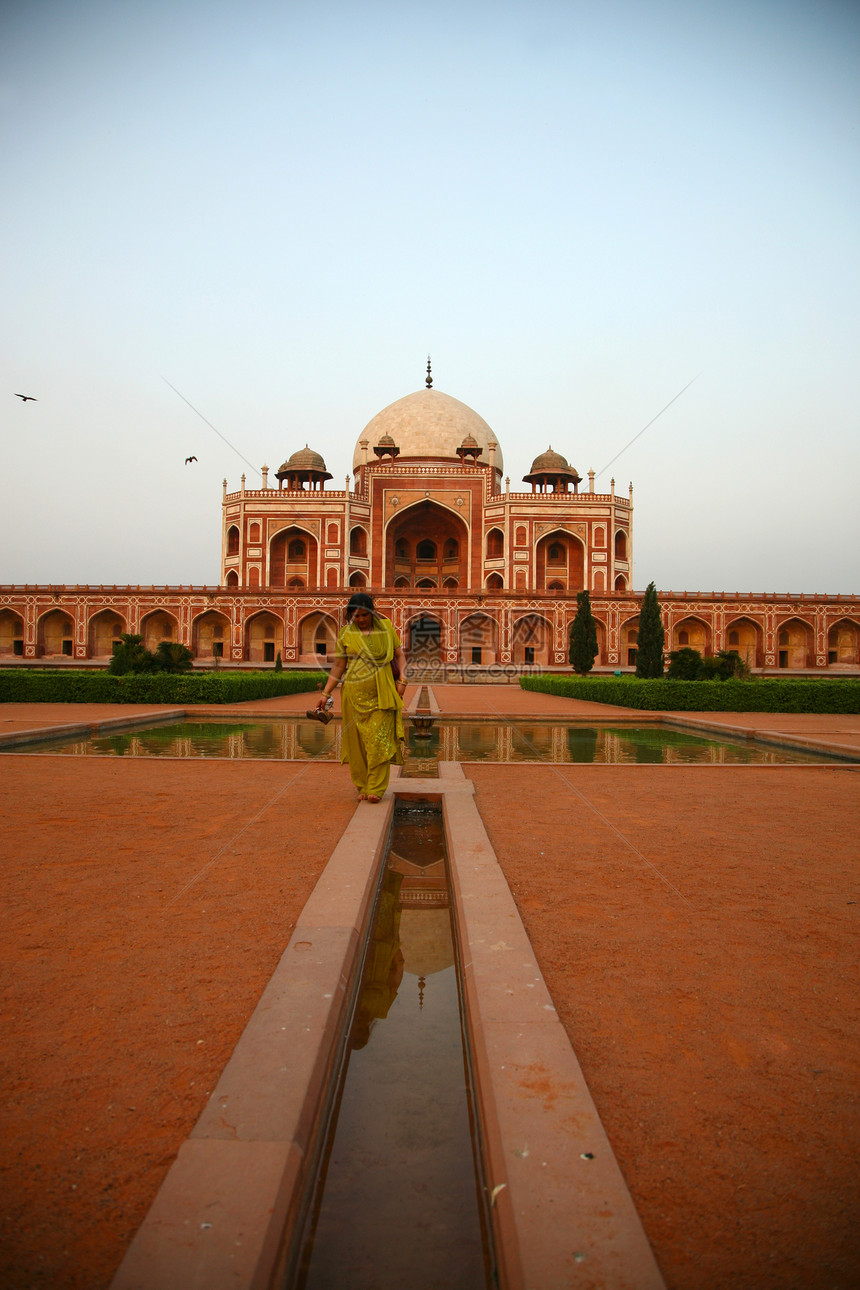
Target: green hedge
<point>704,696</point>
<point>21,685</point>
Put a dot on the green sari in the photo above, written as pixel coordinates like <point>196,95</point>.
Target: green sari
<point>372,709</point>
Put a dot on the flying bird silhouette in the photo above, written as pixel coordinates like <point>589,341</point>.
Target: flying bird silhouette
<point>27,398</point>
<point>187,459</point>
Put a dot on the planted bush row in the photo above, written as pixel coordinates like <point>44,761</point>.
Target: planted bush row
<point>704,696</point>
<point>20,686</point>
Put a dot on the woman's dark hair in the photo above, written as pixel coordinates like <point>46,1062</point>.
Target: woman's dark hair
<point>359,600</point>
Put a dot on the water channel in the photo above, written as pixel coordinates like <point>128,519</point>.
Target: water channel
<point>399,1200</point>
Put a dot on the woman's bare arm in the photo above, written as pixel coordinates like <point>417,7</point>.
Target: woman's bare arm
<point>338,668</point>
<point>400,660</point>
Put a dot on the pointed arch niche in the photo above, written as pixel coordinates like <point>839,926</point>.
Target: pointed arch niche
<point>105,627</point>
<point>843,644</point>
<point>293,558</point>
<point>11,634</point>
<point>424,638</point>
<point>628,637</point>
<point>532,640</point>
<point>55,634</point>
<point>157,627</point>
<point>560,562</point>
<point>692,633</point>
<point>478,640</point>
<point>794,644</point>
<point>317,636</point>
<point>264,638</point>
<point>745,636</point>
<point>210,635</point>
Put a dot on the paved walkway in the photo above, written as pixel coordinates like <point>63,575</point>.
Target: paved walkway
<point>511,701</point>
<point>838,731</point>
<point>18,717</point>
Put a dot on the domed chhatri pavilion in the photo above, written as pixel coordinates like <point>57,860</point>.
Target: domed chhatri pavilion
<point>475,576</point>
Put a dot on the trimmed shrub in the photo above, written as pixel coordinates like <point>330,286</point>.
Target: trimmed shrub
<point>23,685</point>
<point>688,665</point>
<point>684,664</point>
<point>656,695</point>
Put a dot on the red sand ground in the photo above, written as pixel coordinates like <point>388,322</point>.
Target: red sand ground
<point>145,906</point>
<point>693,924</point>
<point>697,931</point>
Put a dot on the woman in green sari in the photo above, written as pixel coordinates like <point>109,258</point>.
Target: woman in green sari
<point>372,700</point>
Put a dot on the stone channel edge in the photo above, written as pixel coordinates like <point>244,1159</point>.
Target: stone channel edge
<point>561,1210</point>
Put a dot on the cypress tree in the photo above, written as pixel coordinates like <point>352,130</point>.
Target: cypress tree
<point>649,644</point>
<point>583,636</point>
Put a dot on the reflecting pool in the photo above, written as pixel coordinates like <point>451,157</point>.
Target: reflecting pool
<point>297,739</point>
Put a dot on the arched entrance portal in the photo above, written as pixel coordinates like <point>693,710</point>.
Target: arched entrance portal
<point>264,638</point>
<point>104,630</point>
<point>560,563</point>
<point>293,558</point>
<point>532,640</point>
<point>426,545</point>
<point>478,640</point>
<point>55,633</point>
<point>843,644</point>
<point>317,637</point>
<point>157,627</point>
<point>745,636</point>
<point>424,644</point>
<point>11,633</point>
<point>210,635</point>
<point>794,644</point>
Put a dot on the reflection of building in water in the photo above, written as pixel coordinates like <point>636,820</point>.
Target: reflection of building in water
<point>425,921</point>
<point>533,742</point>
<point>479,742</point>
<point>412,930</point>
<point>383,965</point>
<point>473,573</point>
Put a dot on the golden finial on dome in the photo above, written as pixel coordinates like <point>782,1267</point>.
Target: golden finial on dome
<point>429,381</point>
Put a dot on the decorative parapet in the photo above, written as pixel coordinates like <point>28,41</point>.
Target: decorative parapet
<point>290,494</point>
<point>187,589</point>
<point>565,499</point>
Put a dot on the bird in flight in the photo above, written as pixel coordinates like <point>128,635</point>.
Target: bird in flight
<point>187,459</point>
<point>27,398</point>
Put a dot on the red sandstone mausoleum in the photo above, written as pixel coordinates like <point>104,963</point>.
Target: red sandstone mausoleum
<point>479,580</point>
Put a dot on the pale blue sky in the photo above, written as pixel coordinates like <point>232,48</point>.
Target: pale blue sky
<point>574,207</point>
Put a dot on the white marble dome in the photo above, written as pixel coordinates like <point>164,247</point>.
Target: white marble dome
<point>428,424</point>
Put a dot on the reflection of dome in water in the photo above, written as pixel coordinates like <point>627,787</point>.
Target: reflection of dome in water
<point>425,940</point>
<point>428,423</point>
